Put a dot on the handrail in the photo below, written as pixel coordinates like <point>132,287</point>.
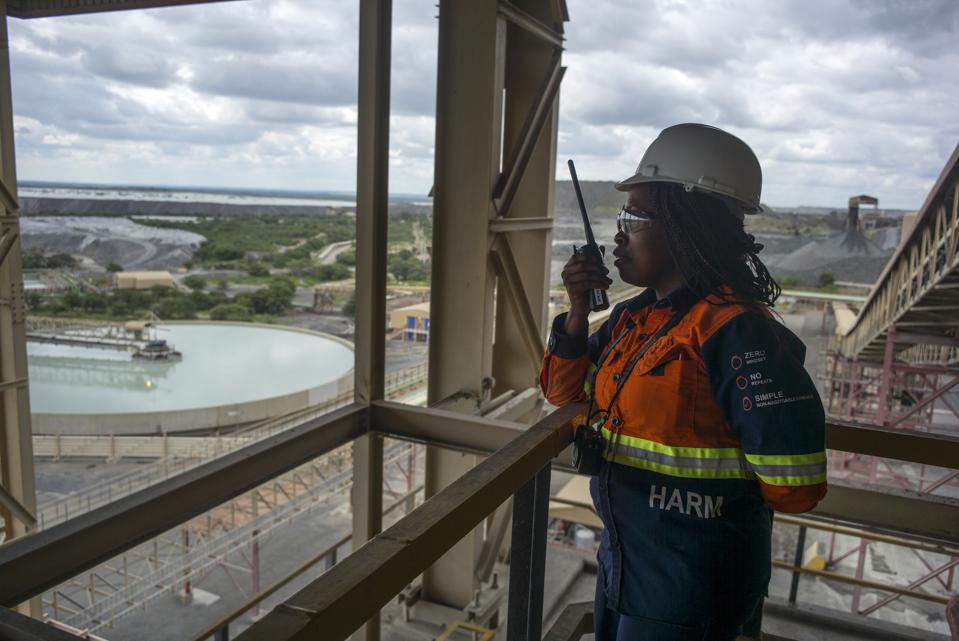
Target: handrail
<point>341,600</point>
<point>899,444</point>
<point>260,596</point>
<point>41,560</point>
<point>36,562</point>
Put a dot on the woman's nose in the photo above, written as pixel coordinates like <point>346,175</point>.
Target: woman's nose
<point>620,238</point>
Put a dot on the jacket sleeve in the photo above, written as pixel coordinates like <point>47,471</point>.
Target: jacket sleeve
<point>569,359</point>
<point>756,372</point>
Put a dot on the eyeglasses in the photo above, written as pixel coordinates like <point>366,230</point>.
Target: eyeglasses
<point>632,220</point>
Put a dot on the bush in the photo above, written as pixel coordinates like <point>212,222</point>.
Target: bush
<point>258,269</point>
<point>347,257</point>
<point>114,268</point>
<point>329,272</point>
<point>195,282</point>
<point>405,266</point>
<point>36,260</point>
<point>826,280</point>
<point>230,312</point>
<point>203,301</point>
<point>274,299</point>
<point>175,308</point>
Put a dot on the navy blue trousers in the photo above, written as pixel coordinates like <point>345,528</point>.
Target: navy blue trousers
<point>613,626</point>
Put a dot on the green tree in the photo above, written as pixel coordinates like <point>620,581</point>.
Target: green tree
<point>405,266</point>
<point>275,298</point>
<point>114,268</point>
<point>230,312</point>
<point>327,273</point>
<point>258,269</point>
<point>195,282</point>
<point>826,280</point>
<point>201,300</point>
<point>347,257</point>
<point>175,308</point>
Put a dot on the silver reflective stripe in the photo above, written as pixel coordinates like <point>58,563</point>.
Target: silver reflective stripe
<point>737,463</point>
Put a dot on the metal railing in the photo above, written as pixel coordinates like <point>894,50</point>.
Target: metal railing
<point>209,551</point>
<point>335,605</point>
<point>202,449</point>
<point>345,597</point>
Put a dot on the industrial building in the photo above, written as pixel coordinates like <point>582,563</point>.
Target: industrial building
<point>143,280</point>
<point>490,445</point>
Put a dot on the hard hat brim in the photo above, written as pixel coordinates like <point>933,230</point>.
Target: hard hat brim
<point>640,179</point>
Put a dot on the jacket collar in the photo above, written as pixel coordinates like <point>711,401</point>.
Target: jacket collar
<point>680,297</point>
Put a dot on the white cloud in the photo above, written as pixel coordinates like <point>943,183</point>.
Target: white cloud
<point>836,96</point>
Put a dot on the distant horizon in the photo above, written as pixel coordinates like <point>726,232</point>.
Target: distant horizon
<point>263,191</point>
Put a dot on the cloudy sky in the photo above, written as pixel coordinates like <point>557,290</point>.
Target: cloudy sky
<point>837,97</point>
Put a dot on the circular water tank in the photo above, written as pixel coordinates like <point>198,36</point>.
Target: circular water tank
<point>230,374</point>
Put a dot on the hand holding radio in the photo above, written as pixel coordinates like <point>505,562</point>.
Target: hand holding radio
<point>581,276</point>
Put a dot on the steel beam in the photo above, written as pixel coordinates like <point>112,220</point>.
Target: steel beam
<point>16,445</point>
<point>536,115</point>
<point>469,102</point>
<point>501,225</point>
<point>13,506</point>
<point>18,627</point>
<point>372,200</point>
<point>904,445</point>
<point>526,189</point>
<point>511,281</point>
<point>913,513</point>
<point>525,21</point>
<point>372,222</point>
<point>919,270</point>
<point>453,430</point>
<point>8,238</point>
<point>32,564</point>
<point>927,339</point>
<point>896,420</point>
<point>527,571</point>
<point>52,8</point>
<point>334,605</point>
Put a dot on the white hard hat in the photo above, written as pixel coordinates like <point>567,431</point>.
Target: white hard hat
<point>706,159</point>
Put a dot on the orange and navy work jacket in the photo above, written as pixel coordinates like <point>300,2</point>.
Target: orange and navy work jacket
<point>717,423</point>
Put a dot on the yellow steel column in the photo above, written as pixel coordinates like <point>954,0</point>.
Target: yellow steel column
<point>372,200</point>
<point>16,447</point>
<point>468,130</point>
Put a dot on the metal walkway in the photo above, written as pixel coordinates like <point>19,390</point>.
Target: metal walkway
<point>918,292</point>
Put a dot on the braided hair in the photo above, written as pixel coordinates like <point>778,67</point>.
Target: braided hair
<point>713,252</point>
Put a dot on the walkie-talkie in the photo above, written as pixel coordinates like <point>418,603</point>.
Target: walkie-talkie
<point>597,297</point>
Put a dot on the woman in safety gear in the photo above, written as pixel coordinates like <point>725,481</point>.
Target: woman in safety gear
<point>709,420</point>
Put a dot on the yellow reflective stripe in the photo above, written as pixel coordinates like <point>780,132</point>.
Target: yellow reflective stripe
<point>786,459</point>
<point>680,452</point>
<point>793,480</point>
<point>687,472</point>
